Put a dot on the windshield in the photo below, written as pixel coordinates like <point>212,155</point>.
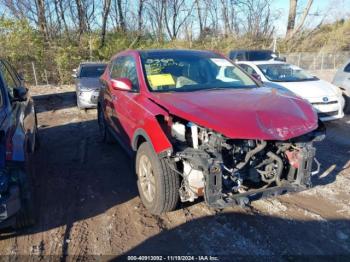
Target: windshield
<point>182,72</point>
<point>285,73</point>
<point>92,70</point>
<point>259,55</point>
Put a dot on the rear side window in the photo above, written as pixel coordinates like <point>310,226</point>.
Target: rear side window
<point>347,68</point>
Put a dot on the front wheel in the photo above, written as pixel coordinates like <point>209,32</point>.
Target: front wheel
<point>347,104</point>
<point>157,183</point>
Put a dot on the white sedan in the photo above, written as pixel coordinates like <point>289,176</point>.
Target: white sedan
<point>325,97</point>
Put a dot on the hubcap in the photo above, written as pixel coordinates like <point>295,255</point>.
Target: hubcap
<point>146,178</point>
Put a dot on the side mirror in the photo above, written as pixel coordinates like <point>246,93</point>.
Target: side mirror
<point>20,94</point>
<point>121,84</point>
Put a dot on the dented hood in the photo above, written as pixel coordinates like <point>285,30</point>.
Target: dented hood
<point>258,113</point>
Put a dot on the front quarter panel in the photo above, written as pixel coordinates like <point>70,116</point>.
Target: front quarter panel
<point>149,127</point>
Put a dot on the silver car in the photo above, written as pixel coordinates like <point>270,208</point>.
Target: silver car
<point>87,83</point>
<point>342,79</point>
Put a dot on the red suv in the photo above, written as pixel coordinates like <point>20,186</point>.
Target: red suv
<point>200,126</point>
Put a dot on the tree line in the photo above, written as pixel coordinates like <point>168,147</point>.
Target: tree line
<point>56,35</point>
<point>160,19</point>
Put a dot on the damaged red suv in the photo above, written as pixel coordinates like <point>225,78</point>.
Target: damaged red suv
<point>200,127</point>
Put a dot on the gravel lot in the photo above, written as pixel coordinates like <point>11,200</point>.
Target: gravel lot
<point>88,204</point>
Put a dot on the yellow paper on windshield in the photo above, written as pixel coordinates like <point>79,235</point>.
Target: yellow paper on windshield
<point>161,80</point>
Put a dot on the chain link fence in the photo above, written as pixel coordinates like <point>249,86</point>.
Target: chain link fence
<point>318,61</point>
<point>35,74</point>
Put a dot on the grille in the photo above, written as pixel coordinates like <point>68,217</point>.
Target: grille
<point>333,113</point>
<point>325,103</point>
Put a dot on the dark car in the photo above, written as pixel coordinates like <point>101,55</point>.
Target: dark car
<point>87,83</point>
<point>18,140</point>
<point>254,55</point>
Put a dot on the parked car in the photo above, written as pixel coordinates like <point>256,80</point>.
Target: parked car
<point>342,79</point>
<point>254,55</point>
<point>196,135</point>
<point>19,139</point>
<point>326,98</point>
<point>87,83</point>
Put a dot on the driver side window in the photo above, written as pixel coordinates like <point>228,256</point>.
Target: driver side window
<point>129,71</point>
<point>116,68</point>
<point>9,79</point>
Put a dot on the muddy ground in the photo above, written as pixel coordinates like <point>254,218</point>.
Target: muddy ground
<point>88,203</point>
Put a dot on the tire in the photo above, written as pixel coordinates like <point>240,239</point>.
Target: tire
<point>166,182</point>
<point>347,104</point>
<point>105,133</point>
<point>26,216</point>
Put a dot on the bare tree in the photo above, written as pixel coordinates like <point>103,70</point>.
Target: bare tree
<point>81,17</point>
<point>229,16</point>
<point>293,29</point>
<point>257,21</point>
<point>139,17</point>
<point>155,16</point>
<point>121,16</point>
<point>175,14</point>
<point>291,17</point>
<point>40,7</point>
<point>200,18</point>
<point>105,13</point>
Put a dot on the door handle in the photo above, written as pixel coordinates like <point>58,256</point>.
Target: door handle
<point>114,98</point>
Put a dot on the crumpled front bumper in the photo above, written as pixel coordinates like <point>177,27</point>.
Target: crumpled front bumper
<point>216,199</point>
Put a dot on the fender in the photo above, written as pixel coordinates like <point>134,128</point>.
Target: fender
<point>153,134</point>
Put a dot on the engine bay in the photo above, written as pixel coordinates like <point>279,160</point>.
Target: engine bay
<point>235,171</point>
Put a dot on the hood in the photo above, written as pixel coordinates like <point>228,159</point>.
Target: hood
<point>258,113</point>
<point>89,82</point>
<point>310,89</point>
